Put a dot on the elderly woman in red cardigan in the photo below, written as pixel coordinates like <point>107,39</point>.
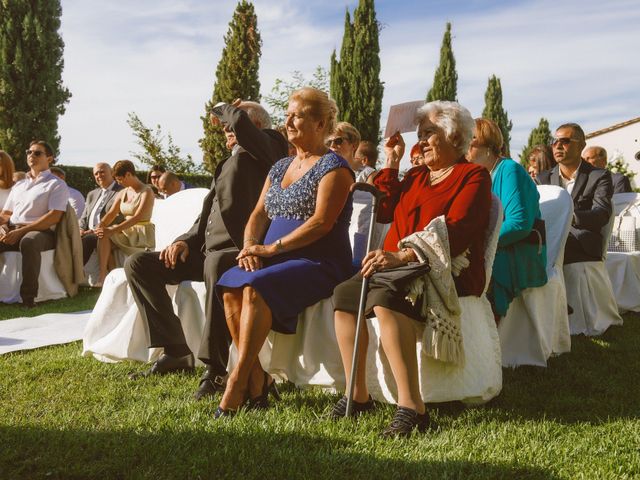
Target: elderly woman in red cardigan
<point>445,185</point>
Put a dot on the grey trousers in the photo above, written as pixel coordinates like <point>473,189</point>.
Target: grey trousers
<point>31,246</point>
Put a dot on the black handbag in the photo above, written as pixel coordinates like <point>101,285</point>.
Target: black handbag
<point>398,278</point>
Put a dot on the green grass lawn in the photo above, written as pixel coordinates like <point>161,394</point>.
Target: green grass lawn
<point>84,300</point>
<point>63,416</point>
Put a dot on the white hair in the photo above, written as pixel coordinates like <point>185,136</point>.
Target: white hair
<point>454,119</point>
<point>257,113</point>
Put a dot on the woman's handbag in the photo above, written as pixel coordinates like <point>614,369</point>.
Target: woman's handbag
<point>624,237</point>
<point>398,278</point>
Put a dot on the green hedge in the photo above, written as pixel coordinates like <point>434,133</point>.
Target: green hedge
<point>81,178</point>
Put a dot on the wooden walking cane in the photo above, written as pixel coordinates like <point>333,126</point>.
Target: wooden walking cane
<point>377,195</point>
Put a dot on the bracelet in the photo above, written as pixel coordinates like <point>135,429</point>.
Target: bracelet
<point>250,239</point>
<point>279,246</point>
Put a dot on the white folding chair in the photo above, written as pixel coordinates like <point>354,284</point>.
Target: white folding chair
<point>115,330</point>
<point>590,294</point>
<point>536,324</point>
<point>624,267</point>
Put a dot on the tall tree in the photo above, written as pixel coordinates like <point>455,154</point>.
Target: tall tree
<point>539,135</point>
<point>31,64</point>
<point>236,77</point>
<point>493,110</point>
<point>445,80</point>
<point>355,77</point>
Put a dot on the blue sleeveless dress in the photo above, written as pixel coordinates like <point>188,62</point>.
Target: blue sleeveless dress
<point>294,280</point>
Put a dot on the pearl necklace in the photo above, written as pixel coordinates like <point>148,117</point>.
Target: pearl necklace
<point>444,172</point>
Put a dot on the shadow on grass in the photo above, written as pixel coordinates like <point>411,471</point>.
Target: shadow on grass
<point>597,381</point>
<point>219,453</point>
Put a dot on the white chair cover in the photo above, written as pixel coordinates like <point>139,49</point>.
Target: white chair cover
<point>49,285</point>
<point>115,330</point>
<point>624,268</point>
<point>536,324</point>
<point>590,294</point>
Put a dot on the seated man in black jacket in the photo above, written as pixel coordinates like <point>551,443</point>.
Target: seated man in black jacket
<point>597,156</point>
<point>590,189</point>
<point>209,248</point>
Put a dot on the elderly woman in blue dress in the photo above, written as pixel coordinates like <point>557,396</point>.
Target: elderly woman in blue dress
<point>296,247</point>
<point>520,261</point>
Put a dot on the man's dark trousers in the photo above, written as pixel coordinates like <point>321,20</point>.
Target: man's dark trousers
<point>147,279</point>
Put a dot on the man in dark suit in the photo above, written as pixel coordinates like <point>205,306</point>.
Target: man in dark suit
<point>209,248</point>
<point>98,203</point>
<point>597,156</point>
<point>590,189</point>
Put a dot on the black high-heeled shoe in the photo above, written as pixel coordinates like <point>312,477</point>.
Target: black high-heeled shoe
<point>222,413</point>
<point>261,402</point>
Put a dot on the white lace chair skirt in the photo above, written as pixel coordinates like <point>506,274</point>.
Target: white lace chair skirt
<point>624,267</point>
<point>115,330</point>
<point>590,293</point>
<point>49,285</point>
<point>537,324</point>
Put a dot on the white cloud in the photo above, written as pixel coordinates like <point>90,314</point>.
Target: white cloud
<point>566,61</point>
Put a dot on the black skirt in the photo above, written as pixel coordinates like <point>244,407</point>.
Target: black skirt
<point>346,297</point>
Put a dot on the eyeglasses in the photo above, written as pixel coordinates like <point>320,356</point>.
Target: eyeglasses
<point>564,141</point>
<point>336,141</point>
<point>35,153</point>
<point>155,176</point>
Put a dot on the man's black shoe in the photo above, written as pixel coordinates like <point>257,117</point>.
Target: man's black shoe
<point>167,364</point>
<point>210,384</point>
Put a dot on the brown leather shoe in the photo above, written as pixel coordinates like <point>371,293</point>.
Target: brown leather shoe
<point>167,364</point>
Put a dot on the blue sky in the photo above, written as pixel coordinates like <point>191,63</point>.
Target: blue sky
<point>567,61</point>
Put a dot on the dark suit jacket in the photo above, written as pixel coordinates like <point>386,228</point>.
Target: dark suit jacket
<point>621,183</point>
<point>92,198</point>
<point>238,185</point>
<point>591,195</point>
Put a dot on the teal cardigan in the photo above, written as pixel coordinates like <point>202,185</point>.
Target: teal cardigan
<point>518,264</point>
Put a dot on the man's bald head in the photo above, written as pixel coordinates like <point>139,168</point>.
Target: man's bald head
<point>596,156</point>
<point>103,174</point>
<point>169,183</point>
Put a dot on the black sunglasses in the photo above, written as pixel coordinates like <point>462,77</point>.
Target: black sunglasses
<point>35,153</point>
<point>336,141</point>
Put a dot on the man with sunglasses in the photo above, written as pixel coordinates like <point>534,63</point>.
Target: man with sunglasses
<point>35,205</point>
<point>590,188</point>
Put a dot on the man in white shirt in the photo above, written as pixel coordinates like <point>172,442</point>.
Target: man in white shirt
<point>76,199</point>
<point>99,201</point>
<point>30,214</point>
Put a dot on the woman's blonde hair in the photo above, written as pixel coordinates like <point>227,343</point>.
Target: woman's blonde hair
<point>487,134</point>
<point>7,168</point>
<point>349,131</point>
<point>317,104</point>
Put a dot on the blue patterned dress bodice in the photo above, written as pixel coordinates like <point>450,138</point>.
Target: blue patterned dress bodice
<point>298,200</point>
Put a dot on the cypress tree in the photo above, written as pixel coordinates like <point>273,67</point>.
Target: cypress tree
<point>445,80</point>
<point>493,110</point>
<point>32,95</point>
<point>340,72</point>
<point>355,78</point>
<point>365,85</point>
<point>539,135</point>
<point>236,77</point>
